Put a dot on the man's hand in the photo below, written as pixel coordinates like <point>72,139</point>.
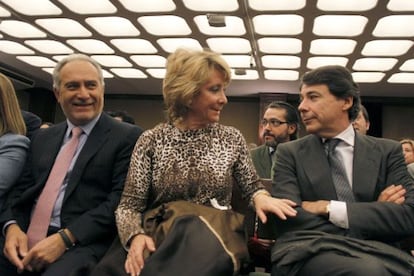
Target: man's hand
<point>44,253</point>
<point>393,193</point>
<point>15,246</point>
<point>318,207</point>
<point>135,259</point>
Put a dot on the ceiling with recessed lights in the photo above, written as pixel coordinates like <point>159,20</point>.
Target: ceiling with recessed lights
<point>269,44</point>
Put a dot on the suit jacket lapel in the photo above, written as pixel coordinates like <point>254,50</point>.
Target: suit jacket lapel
<point>96,139</point>
<point>265,161</point>
<point>49,147</point>
<point>315,164</point>
<point>366,165</point>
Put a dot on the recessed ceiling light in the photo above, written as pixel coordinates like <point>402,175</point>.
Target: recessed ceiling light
<point>242,61</point>
<point>106,74</point>
<point>332,46</point>
<point>91,46</point>
<point>402,78</point>
<point>171,44</point>
<point>49,46</point>
<point>134,46</point>
<point>391,26</point>
<point>21,29</point>
<point>165,25</point>
<point>280,5</point>
<point>14,48</point>
<point>36,7</point>
<point>149,60</point>
<point>400,5</point>
<point>315,62</point>
<point>275,45</point>
<point>4,12</point>
<point>113,26</point>
<point>48,70</point>
<point>287,75</point>
<point>38,61</point>
<point>157,73</point>
<point>145,6</point>
<point>281,61</point>
<point>64,27</point>
<point>229,45</point>
<point>348,5</point>
<point>112,61</point>
<point>212,5</point>
<point>89,6</point>
<point>408,65</point>
<point>278,24</point>
<point>339,25</point>
<point>129,73</point>
<point>369,77</point>
<point>374,64</point>
<point>386,47</point>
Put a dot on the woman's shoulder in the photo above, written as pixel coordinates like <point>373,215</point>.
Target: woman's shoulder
<point>12,139</point>
<point>228,130</point>
<point>157,130</point>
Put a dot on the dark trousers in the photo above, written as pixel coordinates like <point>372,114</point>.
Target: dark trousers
<point>333,263</point>
<point>76,261</point>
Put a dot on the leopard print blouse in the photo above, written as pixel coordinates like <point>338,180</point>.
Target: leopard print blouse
<point>169,164</point>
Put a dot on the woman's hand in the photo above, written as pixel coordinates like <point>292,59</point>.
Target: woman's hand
<point>393,193</point>
<point>135,259</point>
<point>282,208</point>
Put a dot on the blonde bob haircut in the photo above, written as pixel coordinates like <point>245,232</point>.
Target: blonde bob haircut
<point>11,118</point>
<point>407,141</point>
<point>187,71</point>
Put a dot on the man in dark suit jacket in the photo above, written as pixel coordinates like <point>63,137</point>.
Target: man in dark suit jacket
<point>330,236</point>
<point>280,124</point>
<point>82,223</point>
<point>32,121</point>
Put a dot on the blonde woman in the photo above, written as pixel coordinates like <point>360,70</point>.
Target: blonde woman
<point>191,157</point>
<point>13,142</point>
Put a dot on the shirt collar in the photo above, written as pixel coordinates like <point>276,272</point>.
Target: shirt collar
<point>86,128</point>
<point>348,135</point>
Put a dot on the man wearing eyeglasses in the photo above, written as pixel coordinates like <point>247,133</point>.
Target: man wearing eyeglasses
<point>280,124</point>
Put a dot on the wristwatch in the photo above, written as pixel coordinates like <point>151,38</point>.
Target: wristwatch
<point>68,243</point>
<point>328,208</point>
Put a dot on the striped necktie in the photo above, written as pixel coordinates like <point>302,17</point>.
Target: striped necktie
<point>338,172</point>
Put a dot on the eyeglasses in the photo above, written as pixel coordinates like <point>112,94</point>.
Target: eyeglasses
<point>272,122</point>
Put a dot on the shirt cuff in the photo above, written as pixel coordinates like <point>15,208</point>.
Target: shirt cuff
<point>338,214</point>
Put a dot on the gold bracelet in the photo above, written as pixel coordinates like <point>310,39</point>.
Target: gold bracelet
<point>328,208</point>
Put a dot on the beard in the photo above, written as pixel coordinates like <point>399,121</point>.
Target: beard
<point>276,139</point>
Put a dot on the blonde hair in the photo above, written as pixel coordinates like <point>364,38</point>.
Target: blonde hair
<point>10,113</point>
<point>408,141</point>
<point>187,71</point>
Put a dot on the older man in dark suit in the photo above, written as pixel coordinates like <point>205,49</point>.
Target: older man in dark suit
<point>82,223</point>
<point>355,196</point>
